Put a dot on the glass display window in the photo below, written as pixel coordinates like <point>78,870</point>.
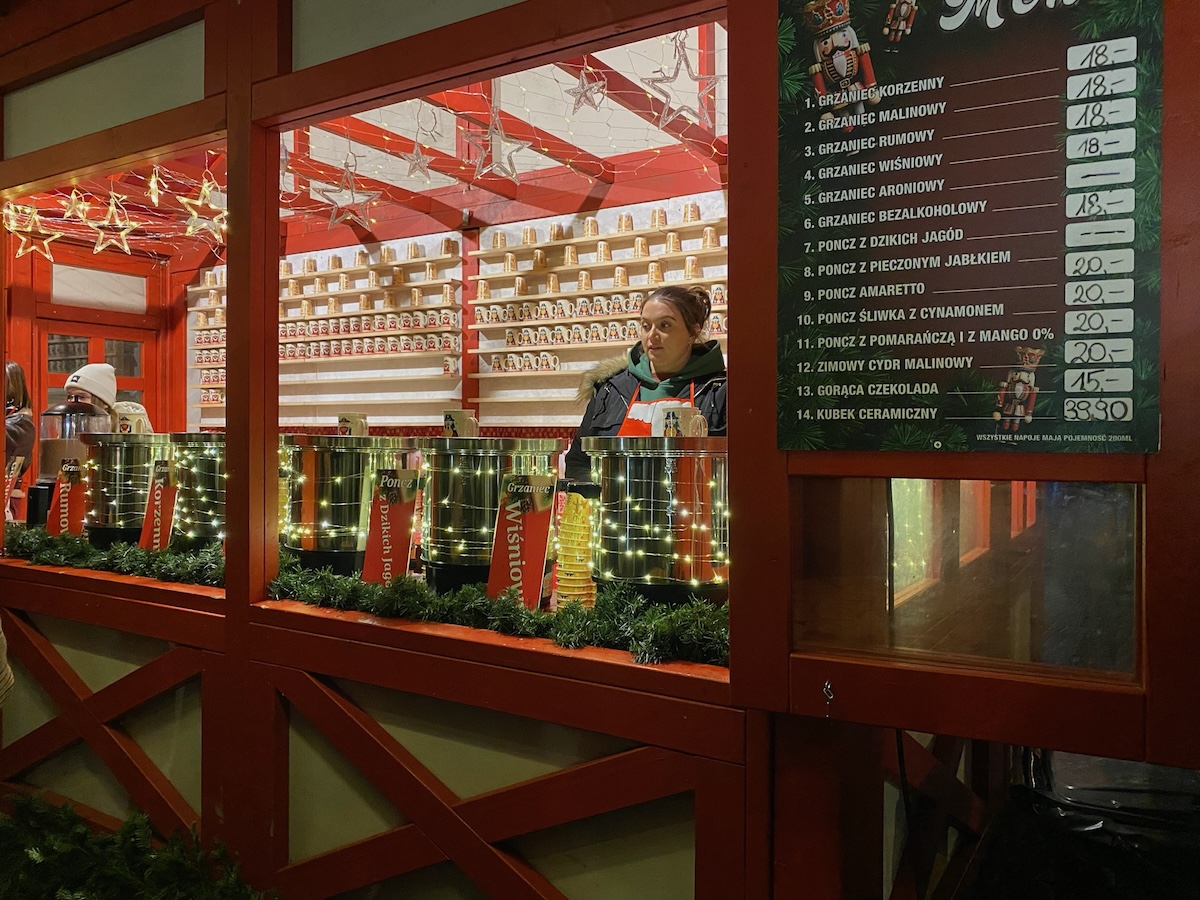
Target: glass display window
<point>463,264</point>
<point>1025,573</point>
<point>101,271</point>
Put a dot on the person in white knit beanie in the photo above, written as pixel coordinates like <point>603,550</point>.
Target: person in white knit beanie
<point>97,383</point>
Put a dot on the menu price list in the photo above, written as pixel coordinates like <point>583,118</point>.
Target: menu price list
<point>974,262</point>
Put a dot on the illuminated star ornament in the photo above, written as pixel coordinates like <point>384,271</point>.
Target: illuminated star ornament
<point>705,86</point>
<point>591,93</point>
<point>35,238</point>
<point>154,186</point>
<point>353,210</point>
<point>497,147</point>
<point>113,230</point>
<point>16,216</point>
<point>204,215</point>
<point>418,162</point>
<point>77,207</point>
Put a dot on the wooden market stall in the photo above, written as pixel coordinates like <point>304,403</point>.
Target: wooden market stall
<point>358,163</point>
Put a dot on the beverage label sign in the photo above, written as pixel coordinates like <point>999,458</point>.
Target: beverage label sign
<point>392,525</point>
<point>522,536</point>
<point>11,476</point>
<point>160,508</point>
<point>969,226</point>
<point>67,505</point>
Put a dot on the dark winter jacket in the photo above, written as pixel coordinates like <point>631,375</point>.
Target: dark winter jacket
<point>610,388</point>
<point>19,433</point>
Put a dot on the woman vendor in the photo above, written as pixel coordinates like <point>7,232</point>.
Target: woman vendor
<point>672,362</point>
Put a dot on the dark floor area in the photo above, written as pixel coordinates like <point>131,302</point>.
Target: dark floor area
<point>1033,857</point>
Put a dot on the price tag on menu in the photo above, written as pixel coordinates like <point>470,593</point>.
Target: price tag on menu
<point>969,221</point>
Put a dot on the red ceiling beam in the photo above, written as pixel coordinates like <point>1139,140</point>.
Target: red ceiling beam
<point>374,136</point>
<point>445,215</point>
<point>478,108</point>
<point>635,98</point>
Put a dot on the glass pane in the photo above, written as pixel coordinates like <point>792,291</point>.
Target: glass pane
<point>124,356</point>
<point>1028,572</point>
<point>974,510</point>
<point>65,353</point>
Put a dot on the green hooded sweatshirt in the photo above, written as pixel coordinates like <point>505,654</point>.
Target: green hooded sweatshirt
<point>706,360</point>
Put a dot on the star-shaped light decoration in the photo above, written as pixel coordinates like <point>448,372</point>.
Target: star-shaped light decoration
<point>16,216</point>
<point>205,221</point>
<point>497,146</point>
<point>354,210</point>
<point>705,85</point>
<point>418,162</point>
<point>113,230</point>
<point>35,238</point>
<point>77,207</point>
<point>154,186</point>
<point>588,92</point>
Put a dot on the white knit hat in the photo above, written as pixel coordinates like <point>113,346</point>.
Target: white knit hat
<point>99,380</point>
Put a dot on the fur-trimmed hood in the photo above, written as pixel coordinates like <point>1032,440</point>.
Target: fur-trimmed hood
<point>600,373</point>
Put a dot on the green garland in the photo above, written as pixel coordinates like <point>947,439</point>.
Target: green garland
<point>48,852</point>
<point>205,566</point>
<point>623,619</point>
<point>695,631</point>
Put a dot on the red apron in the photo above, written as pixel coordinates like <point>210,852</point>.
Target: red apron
<point>640,413</point>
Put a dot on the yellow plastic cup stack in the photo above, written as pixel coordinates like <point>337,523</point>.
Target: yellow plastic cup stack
<point>575,551</point>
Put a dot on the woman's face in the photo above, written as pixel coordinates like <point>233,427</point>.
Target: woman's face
<point>665,338</point>
<point>76,395</point>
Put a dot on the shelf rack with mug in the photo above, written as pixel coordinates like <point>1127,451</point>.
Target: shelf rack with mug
<point>579,297</point>
<point>402,301</point>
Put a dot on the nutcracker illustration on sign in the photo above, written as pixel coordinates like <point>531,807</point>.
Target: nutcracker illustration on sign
<point>842,76</point>
<point>899,19</point>
<point>1014,402</point>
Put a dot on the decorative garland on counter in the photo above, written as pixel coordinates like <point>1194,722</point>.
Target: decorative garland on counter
<point>622,619</point>
<point>205,566</point>
<point>48,851</point>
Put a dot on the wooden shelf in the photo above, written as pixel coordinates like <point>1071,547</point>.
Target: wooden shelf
<point>627,237</point>
<point>641,262</point>
<point>316,317</point>
<point>538,373</point>
<point>352,402</point>
<point>386,378</point>
<point>412,354</point>
<point>353,292</point>
<point>554,348</point>
<point>373,267</point>
<point>339,401</point>
<point>322,360</point>
<point>572,399</point>
<point>573,320</point>
<point>204,288</point>
<point>207,347</point>
<point>359,335</point>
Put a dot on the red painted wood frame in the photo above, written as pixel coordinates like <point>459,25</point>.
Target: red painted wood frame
<point>1141,719</point>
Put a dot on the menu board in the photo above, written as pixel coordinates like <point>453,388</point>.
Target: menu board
<point>969,225</point>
